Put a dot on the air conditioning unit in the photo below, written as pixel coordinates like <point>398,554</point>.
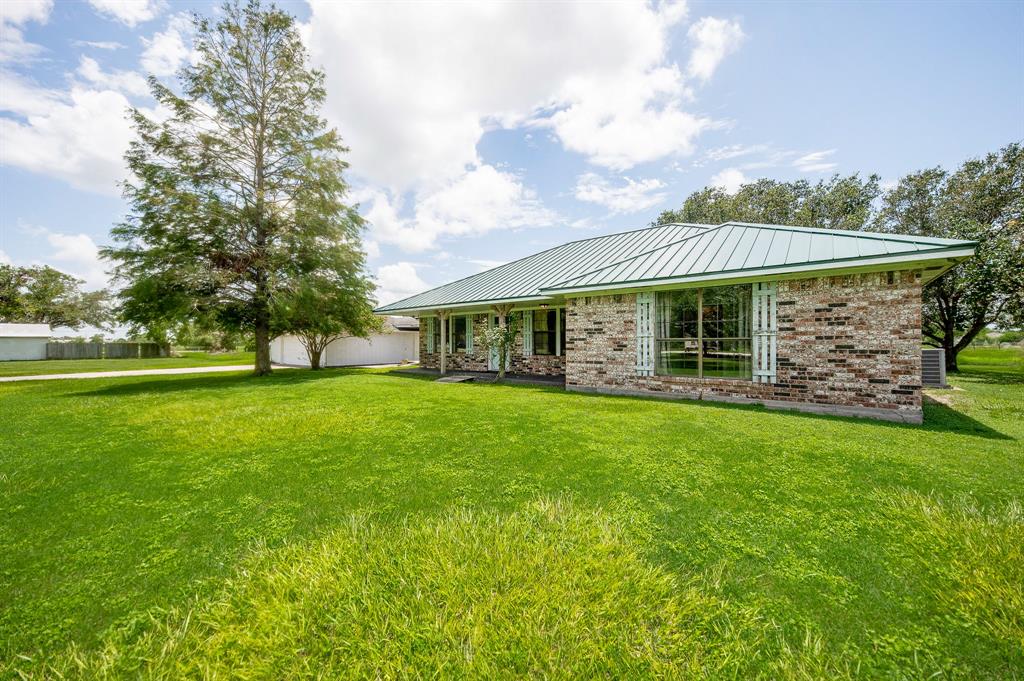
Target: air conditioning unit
<point>933,368</point>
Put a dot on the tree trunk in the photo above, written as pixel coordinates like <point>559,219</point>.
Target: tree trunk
<point>262,347</point>
<point>262,326</point>
<point>950,351</point>
<point>314,359</point>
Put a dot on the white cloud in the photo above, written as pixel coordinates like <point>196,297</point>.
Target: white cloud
<point>99,44</point>
<point>483,200</point>
<point>74,254</point>
<point>714,39</point>
<point>14,14</point>
<point>78,136</point>
<point>633,196</point>
<point>412,87</point>
<point>129,12</point>
<point>815,162</point>
<point>729,179</point>
<point>734,151</point>
<point>128,82</point>
<point>619,121</point>
<point>397,281</point>
<point>78,255</point>
<point>170,48</point>
<point>18,12</point>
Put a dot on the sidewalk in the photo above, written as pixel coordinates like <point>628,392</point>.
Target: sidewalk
<point>136,372</point>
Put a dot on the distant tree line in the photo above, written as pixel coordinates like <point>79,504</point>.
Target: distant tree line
<point>982,200</point>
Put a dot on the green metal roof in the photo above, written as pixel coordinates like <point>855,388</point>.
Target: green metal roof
<point>681,253</point>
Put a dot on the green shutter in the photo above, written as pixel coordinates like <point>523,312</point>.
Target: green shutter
<point>765,325</point>
<point>527,333</point>
<point>430,334</point>
<point>645,334</point>
<point>469,334</point>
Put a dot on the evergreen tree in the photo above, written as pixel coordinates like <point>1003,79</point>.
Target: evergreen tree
<point>238,195</point>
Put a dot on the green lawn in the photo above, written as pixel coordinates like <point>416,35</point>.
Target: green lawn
<point>360,523</point>
<point>75,366</point>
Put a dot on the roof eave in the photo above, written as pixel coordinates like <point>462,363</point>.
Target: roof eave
<point>482,305</point>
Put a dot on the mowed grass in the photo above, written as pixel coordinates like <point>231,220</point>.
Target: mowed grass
<point>75,366</point>
<point>360,523</point>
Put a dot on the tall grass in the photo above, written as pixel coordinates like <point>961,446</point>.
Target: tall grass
<point>548,591</point>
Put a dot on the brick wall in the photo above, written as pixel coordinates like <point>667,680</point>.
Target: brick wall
<point>847,345</point>
<point>544,365</point>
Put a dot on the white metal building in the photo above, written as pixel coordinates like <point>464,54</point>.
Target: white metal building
<point>23,341</point>
<point>399,342</point>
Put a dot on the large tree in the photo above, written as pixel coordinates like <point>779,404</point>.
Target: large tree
<point>238,193</point>
<point>43,295</point>
<point>837,203</point>
<point>982,201</point>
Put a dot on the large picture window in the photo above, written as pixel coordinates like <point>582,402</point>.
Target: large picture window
<point>704,332</point>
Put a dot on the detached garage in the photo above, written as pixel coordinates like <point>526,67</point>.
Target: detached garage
<point>397,343</point>
<point>23,341</point>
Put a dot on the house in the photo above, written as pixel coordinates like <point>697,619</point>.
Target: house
<point>790,317</point>
<point>23,341</point>
<point>398,342</point>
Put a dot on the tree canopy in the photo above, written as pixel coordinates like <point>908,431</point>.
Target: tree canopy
<point>837,203</point>
<point>237,197</point>
<point>321,309</point>
<point>43,295</point>
<point>983,200</point>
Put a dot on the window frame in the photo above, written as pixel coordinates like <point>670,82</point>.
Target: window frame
<point>435,329</point>
<point>551,335</point>
<point>452,338</point>
<point>556,335</point>
<point>700,339</point>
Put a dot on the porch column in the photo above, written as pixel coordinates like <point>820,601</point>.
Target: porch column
<point>442,318</point>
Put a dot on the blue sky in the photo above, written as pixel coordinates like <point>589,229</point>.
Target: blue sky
<point>482,133</point>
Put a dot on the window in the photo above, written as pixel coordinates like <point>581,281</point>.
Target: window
<point>704,332</point>
<point>544,332</point>
<point>435,329</point>
<point>457,337</point>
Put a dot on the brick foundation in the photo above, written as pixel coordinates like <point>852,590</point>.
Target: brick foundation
<point>846,345</point>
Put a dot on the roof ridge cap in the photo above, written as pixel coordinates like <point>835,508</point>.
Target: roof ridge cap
<point>863,234</point>
<point>642,229</point>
